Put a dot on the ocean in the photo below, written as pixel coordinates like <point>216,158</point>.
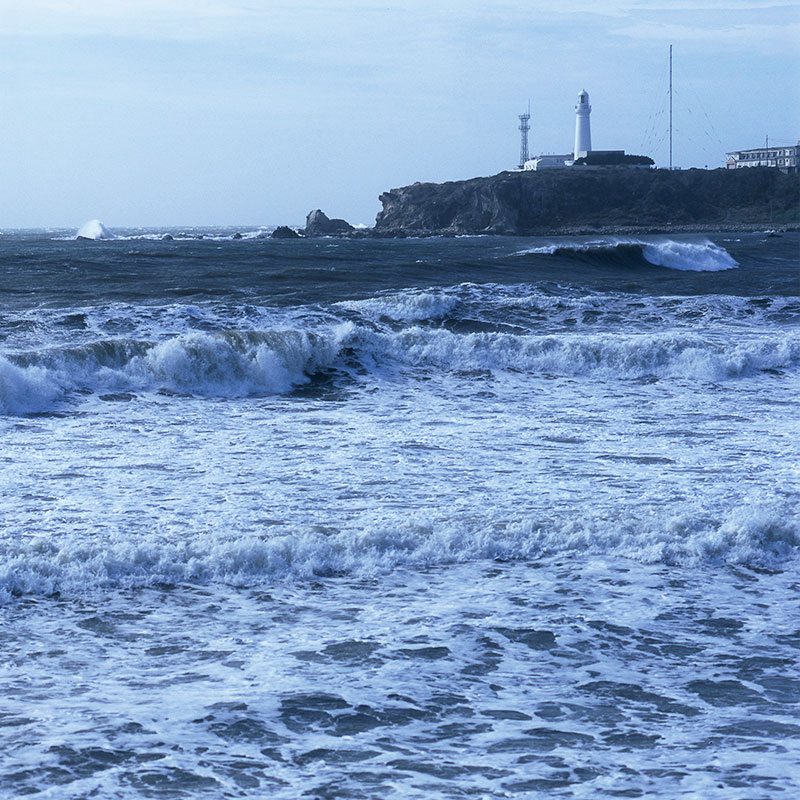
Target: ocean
<point>480,517</point>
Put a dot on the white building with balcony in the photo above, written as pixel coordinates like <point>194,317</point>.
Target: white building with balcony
<point>786,159</point>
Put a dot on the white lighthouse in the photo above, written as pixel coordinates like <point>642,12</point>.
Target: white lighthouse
<point>583,133</point>
<point>583,158</point>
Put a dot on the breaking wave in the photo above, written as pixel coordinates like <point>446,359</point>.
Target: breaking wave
<point>245,363</point>
<point>405,306</point>
<point>605,355</point>
<point>230,364</point>
<point>702,256</point>
<point>756,536</point>
<point>529,305</point>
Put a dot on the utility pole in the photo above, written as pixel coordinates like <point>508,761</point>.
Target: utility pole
<point>670,107</point>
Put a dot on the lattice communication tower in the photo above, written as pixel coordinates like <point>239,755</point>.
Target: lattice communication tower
<point>524,127</point>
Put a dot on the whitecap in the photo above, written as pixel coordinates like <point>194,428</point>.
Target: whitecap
<point>94,229</point>
<point>688,256</point>
<point>765,535</point>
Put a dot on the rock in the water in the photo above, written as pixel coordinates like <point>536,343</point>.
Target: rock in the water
<point>318,224</point>
<point>236,235</point>
<point>93,230</point>
<point>284,232</point>
<point>167,237</point>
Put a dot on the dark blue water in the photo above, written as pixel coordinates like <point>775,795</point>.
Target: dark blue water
<point>317,271</point>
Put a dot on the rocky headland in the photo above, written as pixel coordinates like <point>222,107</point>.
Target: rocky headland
<point>576,200</point>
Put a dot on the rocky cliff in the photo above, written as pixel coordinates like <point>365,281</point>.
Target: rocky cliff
<point>579,199</point>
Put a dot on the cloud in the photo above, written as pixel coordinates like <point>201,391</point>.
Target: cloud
<point>118,17</point>
<point>208,19</point>
<point>711,5</point>
<point>755,35</point>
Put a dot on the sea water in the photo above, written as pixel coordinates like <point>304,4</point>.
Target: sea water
<point>442,518</point>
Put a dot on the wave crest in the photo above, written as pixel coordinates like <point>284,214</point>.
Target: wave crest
<point>229,364</point>
<point>761,536</point>
<point>603,355</point>
<point>688,256</point>
<point>233,364</point>
<point>702,256</point>
<point>246,363</point>
<point>405,306</point>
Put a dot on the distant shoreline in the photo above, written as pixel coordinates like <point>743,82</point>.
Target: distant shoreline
<point>573,230</point>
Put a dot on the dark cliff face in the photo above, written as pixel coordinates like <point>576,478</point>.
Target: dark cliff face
<point>535,202</point>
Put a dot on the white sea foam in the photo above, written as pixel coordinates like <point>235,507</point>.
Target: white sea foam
<point>553,555</point>
<point>759,536</point>
<point>94,229</point>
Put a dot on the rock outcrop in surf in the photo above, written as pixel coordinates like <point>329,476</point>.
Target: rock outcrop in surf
<point>589,201</point>
<point>318,224</point>
<point>94,230</point>
<point>284,232</point>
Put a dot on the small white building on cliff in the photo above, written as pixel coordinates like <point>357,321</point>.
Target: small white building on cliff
<point>548,162</point>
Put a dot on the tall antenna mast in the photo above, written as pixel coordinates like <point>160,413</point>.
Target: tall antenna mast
<point>670,107</point>
<point>524,126</point>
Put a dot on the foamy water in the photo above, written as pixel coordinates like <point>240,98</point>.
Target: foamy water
<point>526,525</point>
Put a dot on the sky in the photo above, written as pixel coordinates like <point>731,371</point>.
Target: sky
<point>253,112</point>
